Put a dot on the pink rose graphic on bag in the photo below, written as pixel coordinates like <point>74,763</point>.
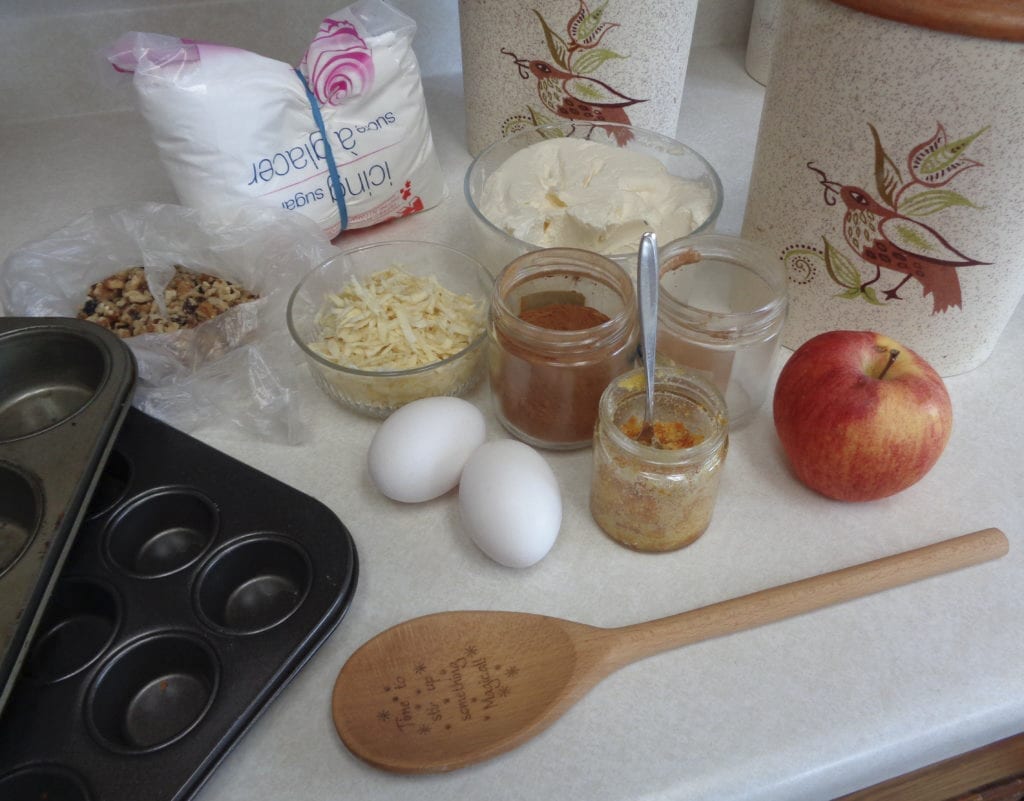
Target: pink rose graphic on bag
<point>338,64</point>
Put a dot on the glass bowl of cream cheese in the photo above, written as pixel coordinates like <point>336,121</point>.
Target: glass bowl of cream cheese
<point>594,186</point>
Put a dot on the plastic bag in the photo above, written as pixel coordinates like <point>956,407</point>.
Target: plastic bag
<point>233,126</point>
<point>241,366</point>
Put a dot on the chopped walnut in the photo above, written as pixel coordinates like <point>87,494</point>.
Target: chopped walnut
<point>123,302</point>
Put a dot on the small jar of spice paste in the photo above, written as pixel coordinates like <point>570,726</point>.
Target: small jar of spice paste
<point>658,496</point>
<point>562,325</point>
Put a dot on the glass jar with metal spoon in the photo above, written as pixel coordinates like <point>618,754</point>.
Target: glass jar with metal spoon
<point>659,444</point>
<point>723,305</point>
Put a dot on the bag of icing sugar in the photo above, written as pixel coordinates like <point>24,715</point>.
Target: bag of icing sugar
<point>344,139</point>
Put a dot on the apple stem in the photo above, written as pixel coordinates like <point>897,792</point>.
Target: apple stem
<point>893,354</point>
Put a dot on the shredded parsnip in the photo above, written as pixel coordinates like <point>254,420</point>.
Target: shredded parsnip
<point>393,320</point>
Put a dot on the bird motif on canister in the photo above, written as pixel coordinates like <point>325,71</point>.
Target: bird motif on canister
<point>576,97</point>
<point>564,83</point>
<point>886,232</point>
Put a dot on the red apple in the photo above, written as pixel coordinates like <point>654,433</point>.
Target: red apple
<point>860,416</point>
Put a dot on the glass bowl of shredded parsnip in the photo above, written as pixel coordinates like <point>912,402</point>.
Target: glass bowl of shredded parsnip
<point>391,322</point>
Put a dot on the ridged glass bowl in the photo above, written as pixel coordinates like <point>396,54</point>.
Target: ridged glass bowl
<point>496,247</point>
<point>379,392</point>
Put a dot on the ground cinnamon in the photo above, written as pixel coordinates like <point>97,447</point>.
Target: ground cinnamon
<point>551,354</point>
<point>564,317</point>
<point>550,398</point>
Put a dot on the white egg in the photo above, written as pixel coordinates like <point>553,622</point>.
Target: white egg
<point>510,503</point>
<point>418,453</point>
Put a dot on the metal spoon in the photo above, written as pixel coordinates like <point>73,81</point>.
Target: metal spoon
<point>648,274</point>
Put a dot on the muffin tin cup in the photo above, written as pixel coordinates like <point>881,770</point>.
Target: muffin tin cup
<point>152,692</point>
<point>50,782</point>
<point>81,620</point>
<point>195,590</point>
<point>65,389</point>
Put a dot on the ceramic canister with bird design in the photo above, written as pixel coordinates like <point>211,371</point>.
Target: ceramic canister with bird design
<point>532,62</point>
<point>888,170</point>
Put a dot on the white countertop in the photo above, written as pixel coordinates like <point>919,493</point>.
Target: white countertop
<point>808,708</point>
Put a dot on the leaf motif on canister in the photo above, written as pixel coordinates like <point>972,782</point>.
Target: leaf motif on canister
<point>887,174</point>
<point>589,61</point>
<point>937,161</point>
<point>557,46</point>
<point>843,271</point>
<point>585,28</point>
<point>840,267</point>
<point>538,118</point>
<point>931,201</point>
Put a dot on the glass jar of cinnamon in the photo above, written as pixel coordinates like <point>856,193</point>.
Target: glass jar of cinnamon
<point>562,325</point>
<point>658,495</point>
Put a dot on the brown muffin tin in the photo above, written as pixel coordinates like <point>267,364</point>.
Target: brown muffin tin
<point>65,386</point>
<point>195,589</point>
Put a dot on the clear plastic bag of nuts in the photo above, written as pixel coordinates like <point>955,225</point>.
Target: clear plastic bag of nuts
<point>206,325</point>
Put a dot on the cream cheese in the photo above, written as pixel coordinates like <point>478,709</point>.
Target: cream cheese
<point>569,192</point>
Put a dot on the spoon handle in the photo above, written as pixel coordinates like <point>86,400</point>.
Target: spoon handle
<point>647,278</point>
<point>788,600</point>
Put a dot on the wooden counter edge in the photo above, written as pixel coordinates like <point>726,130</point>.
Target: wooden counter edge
<point>994,772</point>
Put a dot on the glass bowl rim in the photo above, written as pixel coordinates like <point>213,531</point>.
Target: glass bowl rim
<point>673,147</point>
<point>320,361</point>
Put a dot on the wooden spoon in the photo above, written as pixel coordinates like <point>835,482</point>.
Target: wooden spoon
<point>446,690</point>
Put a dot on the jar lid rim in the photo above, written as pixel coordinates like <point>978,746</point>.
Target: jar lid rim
<point>986,19</point>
